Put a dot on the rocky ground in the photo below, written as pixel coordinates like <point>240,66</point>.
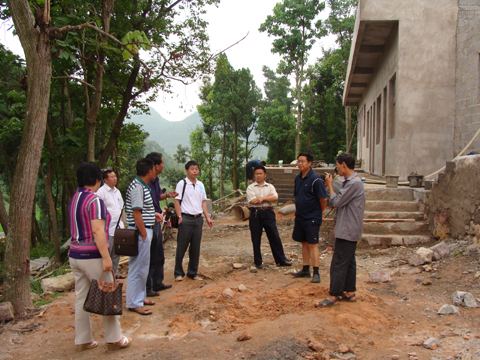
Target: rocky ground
<point>239,314</point>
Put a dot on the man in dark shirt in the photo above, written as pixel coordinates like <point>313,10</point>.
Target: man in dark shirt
<point>157,256</point>
<point>310,201</point>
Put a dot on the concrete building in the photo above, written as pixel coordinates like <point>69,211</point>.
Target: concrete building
<point>414,76</point>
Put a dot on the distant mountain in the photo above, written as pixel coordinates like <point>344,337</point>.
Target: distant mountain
<point>168,134</point>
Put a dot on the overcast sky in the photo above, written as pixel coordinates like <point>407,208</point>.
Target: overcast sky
<point>228,23</point>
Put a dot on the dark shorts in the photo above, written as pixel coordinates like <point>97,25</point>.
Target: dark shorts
<point>306,232</point>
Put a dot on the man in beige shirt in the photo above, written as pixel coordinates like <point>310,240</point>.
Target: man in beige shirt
<point>260,198</point>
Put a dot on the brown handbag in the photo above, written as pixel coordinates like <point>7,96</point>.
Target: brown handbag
<point>125,241</point>
<point>104,298</point>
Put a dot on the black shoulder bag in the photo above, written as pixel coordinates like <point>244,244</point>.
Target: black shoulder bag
<point>174,217</point>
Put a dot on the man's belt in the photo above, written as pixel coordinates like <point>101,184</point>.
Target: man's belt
<point>145,226</point>
<point>260,208</point>
<point>192,216</point>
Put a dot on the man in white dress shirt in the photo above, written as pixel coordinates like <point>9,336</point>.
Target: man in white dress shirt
<point>260,198</point>
<point>113,200</point>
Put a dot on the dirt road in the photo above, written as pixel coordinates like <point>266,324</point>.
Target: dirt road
<point>195,320</point>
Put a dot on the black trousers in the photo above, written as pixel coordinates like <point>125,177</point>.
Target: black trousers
<point>265,219</point>
<point>189,236</point>
<point>343,269</point>
<point>157,259</point>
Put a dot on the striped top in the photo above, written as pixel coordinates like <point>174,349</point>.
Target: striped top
<point>138,196</point>
<point>84,207</point>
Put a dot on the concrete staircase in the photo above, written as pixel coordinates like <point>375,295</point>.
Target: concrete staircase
<point>386,204</point>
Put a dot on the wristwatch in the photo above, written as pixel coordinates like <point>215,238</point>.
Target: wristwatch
<point>179,216</point>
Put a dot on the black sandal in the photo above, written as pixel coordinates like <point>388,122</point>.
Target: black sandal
<point>326,303</point>
<point>346,298</point>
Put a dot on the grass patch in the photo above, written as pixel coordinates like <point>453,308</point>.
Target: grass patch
<point>48,299</point>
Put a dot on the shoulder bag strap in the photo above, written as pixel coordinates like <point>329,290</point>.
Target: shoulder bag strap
<point>183,191</point>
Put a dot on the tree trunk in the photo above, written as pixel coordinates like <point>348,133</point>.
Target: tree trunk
<point>48,192</point>
<point>298,83</point>
<point>222,162</point>
<point>309,143</point>
<point>33,237</point>
<point>94,108</point>
<point>235,162</point>
<point>210,174</point>
<point>348,126</point>
<point>36,46</point>
<point>3,214</point>
<point>117,127</point>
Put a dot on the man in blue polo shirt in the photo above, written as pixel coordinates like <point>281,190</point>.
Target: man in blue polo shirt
<point>310,201</point>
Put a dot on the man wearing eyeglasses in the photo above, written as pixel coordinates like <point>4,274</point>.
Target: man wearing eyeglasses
<point>310,201</point>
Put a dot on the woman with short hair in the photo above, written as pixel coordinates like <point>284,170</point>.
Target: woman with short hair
<point>89,256</point>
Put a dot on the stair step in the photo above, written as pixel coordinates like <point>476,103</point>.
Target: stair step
<point>417,215</point>
<point>395,228</point>
<point>395,240</point>
<point>398,206</point>
<point>386,194</point>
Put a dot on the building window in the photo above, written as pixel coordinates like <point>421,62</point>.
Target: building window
<point>391,107</point>
<point>368,128</point>
<point>377,130</point>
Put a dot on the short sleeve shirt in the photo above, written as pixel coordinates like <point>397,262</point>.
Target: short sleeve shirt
<point>192,198</point>
<point>84,207</point>
<point>138,196</point>
<point>255,190</point>
<point>308,191</point>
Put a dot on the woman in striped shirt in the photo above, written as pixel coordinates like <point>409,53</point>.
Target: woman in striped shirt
<point>89,256</point>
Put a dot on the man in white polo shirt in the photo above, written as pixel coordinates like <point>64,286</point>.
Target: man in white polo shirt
<point>190,203</point>
<point>113,200</point>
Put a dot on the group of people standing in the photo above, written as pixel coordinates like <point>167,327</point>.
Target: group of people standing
<point>96,211</point>
<point>310,202</point>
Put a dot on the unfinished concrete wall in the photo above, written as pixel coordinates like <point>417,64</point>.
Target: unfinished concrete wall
<point>453,207</point>
<point>467,103</point>
<point>422,51</point>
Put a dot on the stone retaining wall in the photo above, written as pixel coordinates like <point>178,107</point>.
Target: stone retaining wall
<point>453,207</point>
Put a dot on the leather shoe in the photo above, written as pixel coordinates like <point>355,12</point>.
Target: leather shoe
<point>259,266</point>
<point>301,274</point>
<point>316,278</point>
<point>152,294</point>
<point>285,263</point>
<point>163,287</point>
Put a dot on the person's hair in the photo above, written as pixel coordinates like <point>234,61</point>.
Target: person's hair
<point>156,157</point>
<point>260,168</point>
<point>263,163</point>
<point>105,174</point>
<point>307,155</point>
<point>144,166</point>
<point>88,173</point>
<point>191,163</point>
<point>348,159</point>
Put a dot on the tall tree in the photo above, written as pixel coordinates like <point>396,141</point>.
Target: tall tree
<point>236,97</point>
<point>35,40</point>
<point>295,28</point>
<point>276,123</point>
<point>341,23</point>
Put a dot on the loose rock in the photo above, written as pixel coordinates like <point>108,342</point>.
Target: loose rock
<point>457,297</point>
<point>315,346</point>
<point>243,337</point>
<point>237,266</point>
<point>440,251</point>
<point>6,311</point>
<point>228,293</point>
<point>379,277</point>
<point>431,343</point>
<point>253,269</point>
<point>343,348</point>
<point>242,287</point>
<point>58,284</point>
<point>469,301</point>
<point>448,309</point>
<point>424,256</point>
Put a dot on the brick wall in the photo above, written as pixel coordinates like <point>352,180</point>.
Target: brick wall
<point>467,114</point>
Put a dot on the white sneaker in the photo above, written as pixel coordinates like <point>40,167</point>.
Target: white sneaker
<point>179,278</point>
